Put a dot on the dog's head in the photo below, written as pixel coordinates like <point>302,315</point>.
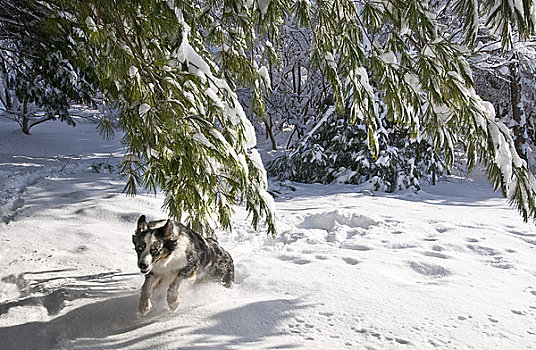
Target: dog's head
<point>153,241</point>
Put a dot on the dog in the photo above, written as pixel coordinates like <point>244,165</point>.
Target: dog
<point>169,253</point>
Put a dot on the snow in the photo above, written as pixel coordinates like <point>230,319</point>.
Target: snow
<point>213,95</point>
<point>143,109</point>
<point>132,71</point>
<point>263,72</point>
<point>232,108</point>
<point>91,24</point>
<point>329,112</point>
<point>413,81</point>
<point>389,58</point>
<point>364,79</point>
<point>449,267</point>
<point>263,6</point>
<point>330,61</point>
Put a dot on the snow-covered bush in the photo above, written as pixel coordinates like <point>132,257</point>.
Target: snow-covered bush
<point>336,150</point>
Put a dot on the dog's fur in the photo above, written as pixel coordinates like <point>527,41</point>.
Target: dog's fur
<point>169,253</point>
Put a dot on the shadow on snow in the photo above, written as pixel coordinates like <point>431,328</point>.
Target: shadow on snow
<point>91,326</point>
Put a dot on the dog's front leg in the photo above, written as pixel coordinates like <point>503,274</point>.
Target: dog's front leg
<point>144,305</point>
<point>173,297</point>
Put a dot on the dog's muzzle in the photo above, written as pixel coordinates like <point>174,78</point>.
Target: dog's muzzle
<point>144,268</point>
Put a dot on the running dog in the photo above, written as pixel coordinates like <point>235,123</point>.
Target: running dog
<point>169,253</point>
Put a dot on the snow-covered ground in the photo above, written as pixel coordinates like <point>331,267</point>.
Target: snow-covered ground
<point>452,267</point>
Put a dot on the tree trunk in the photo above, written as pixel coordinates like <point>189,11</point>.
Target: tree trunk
<point>269,132</point>
<point>25,120</point>
<point>25,126</point>
<point>515,101</point>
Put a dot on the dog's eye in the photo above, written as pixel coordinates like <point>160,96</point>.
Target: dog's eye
<point>141,247</point>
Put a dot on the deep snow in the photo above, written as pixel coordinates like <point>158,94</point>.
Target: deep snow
<point>452,267</point>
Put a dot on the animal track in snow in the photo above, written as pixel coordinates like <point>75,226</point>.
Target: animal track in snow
<point>436,255</point>
<point>378,335</point>
<point>429,270</point>
<point>481,250</point>
<point>295,259</point>
<point>360,330</point>
<point>321,257</point>
<point>354,246</point>
<point>400,246</point>
<point>402,341</point>
<point>443,229</point>
<point>289,237</point>
<point>503,266</point>
<point>523,234</point>
<point>517,312</point>
<point>351,261</point>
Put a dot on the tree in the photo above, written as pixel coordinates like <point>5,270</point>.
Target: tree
<point>508,79</point>
<point>174,66</point>
<point>38,82</point>
<point>298,90</point>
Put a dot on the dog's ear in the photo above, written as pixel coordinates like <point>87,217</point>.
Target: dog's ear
<point>170,237</point>
<point>142,224</point>
<point>169,232</point>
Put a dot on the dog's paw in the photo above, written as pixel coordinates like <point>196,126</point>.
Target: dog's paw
<point>144,306</point>
<point>173,301</point>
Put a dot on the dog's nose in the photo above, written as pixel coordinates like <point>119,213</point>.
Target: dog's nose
<point>143,266</point>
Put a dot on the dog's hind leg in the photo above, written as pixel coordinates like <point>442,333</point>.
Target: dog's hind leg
<point>228,277</point>
<point>226,266</point>
<point>144,305</point>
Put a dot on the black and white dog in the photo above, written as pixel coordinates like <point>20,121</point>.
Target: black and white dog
<point>169,253</point>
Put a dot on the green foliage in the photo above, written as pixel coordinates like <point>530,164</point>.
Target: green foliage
<point>184,127</point>
<point>173,67</point>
